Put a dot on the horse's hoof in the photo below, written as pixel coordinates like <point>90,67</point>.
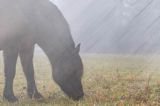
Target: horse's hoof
<point>10,98</point>
<point>38,96</point>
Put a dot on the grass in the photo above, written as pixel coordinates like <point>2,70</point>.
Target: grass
<point>109,80</point>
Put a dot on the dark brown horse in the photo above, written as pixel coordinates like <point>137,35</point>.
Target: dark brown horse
<point>24,23</point>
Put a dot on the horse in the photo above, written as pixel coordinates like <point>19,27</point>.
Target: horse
<point>25,23</point>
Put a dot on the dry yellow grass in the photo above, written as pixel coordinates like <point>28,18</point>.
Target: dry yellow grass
<point>109,80</point>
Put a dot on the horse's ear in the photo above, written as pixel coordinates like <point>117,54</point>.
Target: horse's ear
<point>77,49</point>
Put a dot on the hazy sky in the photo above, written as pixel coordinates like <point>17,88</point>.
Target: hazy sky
<point>114,26</point>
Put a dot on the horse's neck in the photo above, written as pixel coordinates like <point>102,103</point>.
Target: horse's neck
<point>54,35</point>
<point>55,48</point>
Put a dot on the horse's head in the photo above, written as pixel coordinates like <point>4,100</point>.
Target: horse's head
<point>68,71</point>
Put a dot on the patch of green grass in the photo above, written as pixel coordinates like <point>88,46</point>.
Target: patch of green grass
<point>109,80</point>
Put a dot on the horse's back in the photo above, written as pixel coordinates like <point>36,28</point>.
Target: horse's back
<point>30,19</point>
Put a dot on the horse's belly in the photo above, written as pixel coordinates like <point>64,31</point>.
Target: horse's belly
<point>7,34</point>
<point>10,34</point>
<point>12,29</point>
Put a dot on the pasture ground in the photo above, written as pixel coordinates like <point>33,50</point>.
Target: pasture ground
<point>109,80</point>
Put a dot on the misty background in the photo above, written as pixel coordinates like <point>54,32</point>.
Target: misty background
<point>114,26</point>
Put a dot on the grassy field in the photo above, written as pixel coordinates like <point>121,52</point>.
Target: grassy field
<point>109,80</point>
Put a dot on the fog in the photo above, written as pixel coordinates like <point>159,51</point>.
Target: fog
<point>114,26</point>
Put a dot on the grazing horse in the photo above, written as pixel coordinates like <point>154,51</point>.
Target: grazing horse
<point>24,23</point>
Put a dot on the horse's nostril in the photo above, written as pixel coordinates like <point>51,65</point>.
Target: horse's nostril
<point>80,97</point>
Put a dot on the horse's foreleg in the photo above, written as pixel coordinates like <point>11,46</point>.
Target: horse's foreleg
<point>10,59</point>
<point>26,56</point>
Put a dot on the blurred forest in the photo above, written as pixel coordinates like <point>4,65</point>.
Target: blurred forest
<point>114,26</point>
